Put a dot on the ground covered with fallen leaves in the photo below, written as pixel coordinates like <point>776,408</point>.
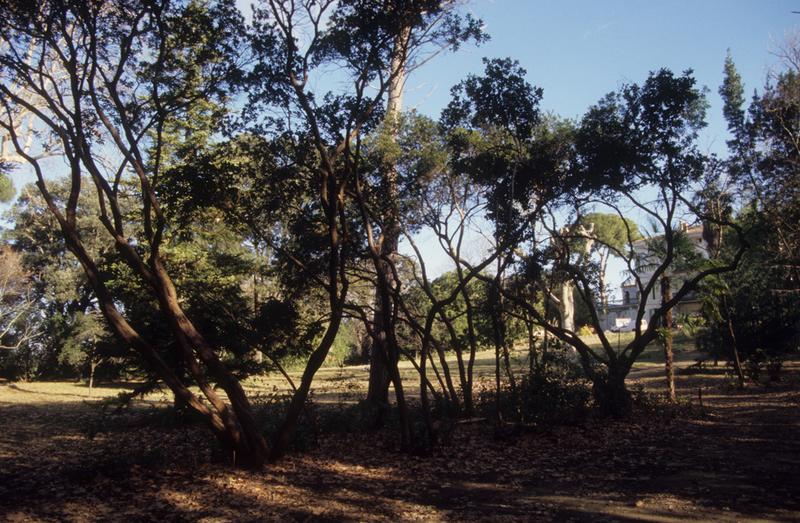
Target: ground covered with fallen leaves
<point>735,459</point>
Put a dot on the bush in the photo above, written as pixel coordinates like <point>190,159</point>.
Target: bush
<point>652,405</point>
<point>18,364</point>
<point>556,393</point>
<point>760,361</point>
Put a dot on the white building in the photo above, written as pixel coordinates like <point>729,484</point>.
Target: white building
<point>621,314</point>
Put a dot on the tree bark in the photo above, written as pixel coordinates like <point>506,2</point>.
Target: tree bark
<point>287,429</point>
<point>462,371</point>
<point>737,363</point>
<point>601,279</point>
<point>222,422</point>
<point>469,404</point>
<point>666,295</point>
<point>92,367</point>
<point>567,306</point>
<point>611,395</point>
<point>189,338</point>
<point>379,375</point>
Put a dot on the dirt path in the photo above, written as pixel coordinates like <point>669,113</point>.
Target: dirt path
<point>738,462</point>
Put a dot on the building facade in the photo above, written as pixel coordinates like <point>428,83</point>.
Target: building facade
<point>620,314</point>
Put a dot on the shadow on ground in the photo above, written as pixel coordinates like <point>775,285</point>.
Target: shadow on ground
<point>737,461</point>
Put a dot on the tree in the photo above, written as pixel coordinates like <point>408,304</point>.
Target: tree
<point>663,114</point>
<point>498,139</point>
<point>6,187</point>
<point>764,145</point>
<point>58,284</point>
<point>424,28</point>
<point>83,347</point>
<point>124,74</point>
<point>751,313</point>
<point>361,39</point>
<point>24,121</point>
<point>610,236</point>
<point>747,321</point>
<point>17,303</point>
<point>687,259</point>
<point>637,140</point>
<point>451,204</point>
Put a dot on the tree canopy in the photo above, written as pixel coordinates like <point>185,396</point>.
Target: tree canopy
<point>229,197</point>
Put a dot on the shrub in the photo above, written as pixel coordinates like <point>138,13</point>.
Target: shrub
<point>759,361</point>
<point>556,393</point>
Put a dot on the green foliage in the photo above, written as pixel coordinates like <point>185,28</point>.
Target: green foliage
<point>686,257</point>
<point>644,135</point>
<point>612,232</point>
<point>556,393</point>
<point>756,308</point>
<point>346,348</point>
<point>412,150</point>
<point>86,332</point>
<point>477,290</point>
<point>732,93</point>
<point>7,190</point>
<point>492,125</point>
<point>765,320</point>
<point>207,261</point>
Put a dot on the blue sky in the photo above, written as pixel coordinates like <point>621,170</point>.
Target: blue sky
<point>579,50</point>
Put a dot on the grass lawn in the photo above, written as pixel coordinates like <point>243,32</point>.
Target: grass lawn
<point>736,460</point>
<point>335,383</point>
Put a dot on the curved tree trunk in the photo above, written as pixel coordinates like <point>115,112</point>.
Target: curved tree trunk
<point>222,422</point>
<point>191,341</point>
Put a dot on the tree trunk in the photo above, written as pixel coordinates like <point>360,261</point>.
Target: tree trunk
<point>378,389</point>
<point>500,330</point>
<point>280,368</point>
<point>379,374</point>
<point>219,417</point>
<point>737,363</point>
<point>426,411</point>
<point>287,429</point>
<point>258,356</point>
<point>500,345</point>
<point>666,295</point>
<point>252,448</point>
<point>462,370</point>
<point>92,368</point>
<point>469,404</point>
<point>567,306</point>
<point>498,415</point>
<point>545,337</point>
<point>611,395</point>
<point>601,280</point>
<point>447,376</point>
<point>179,404</point>
<point>402,408</point>
<point>532,361</point>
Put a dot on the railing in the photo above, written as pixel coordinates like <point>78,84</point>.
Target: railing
<point>623,303</point>
<point>690,296</point>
